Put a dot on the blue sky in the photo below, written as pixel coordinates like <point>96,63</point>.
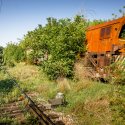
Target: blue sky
<point>19,16</point>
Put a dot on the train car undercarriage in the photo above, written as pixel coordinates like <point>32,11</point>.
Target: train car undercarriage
<point>103,66</point>
<point>106,48</point>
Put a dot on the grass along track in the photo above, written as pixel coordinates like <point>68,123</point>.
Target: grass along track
<point>88,101</point>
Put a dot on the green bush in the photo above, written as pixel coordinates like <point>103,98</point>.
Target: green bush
<point>1,55</point>
<point>60,68</point>
<point>117,75</point>
<point>61,40</point>
<point>30,58</point>
<point>13,53</point>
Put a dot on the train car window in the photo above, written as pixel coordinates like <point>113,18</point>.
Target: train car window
<point>102,33</point>
<point>122,33</point>
<point>105,32</point>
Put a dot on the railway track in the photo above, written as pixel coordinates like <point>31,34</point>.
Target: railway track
<point>15,111</point>
<point>45,115</point>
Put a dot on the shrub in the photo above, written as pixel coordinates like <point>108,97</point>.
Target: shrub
<point>1,55</point>
<point>13,53</point>
<point>30,58</point>
<point>61,40</point>
<point>117,74</point>
<point>60,68</point>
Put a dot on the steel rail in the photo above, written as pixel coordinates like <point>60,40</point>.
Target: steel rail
<point>44,119</point>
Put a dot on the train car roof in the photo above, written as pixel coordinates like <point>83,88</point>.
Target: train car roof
<point>119,20</point>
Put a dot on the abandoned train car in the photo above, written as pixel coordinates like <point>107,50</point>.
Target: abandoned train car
<point>105,42</point>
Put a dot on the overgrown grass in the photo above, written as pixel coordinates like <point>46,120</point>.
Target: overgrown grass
<point>88,102</point>
<point>8,121</point>
<point>8,92</point>
<point>32,81</point>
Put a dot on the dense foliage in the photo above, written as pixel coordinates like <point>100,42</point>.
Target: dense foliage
<point>1,55</point>
<point>13,53</point>
<point>57,44</point>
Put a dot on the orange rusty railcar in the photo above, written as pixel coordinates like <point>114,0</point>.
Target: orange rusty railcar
<point>105,42</point>
<point>106,37</point>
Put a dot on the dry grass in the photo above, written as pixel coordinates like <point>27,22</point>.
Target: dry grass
<point>33,80</point>
<point>79,70</point>
<point>81,75</point>
<point>82,71</point>
<point>81,85</point>
<point>95,112</point>
<point>23,71</point>
<point>63,85</point>
<point>100,109</point>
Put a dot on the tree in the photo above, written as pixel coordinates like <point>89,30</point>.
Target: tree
<point>1,55</point>
<point>61,40</point>
<point>13,53</point>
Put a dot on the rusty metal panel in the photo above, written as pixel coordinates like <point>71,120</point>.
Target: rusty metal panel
<point>100,38</point>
